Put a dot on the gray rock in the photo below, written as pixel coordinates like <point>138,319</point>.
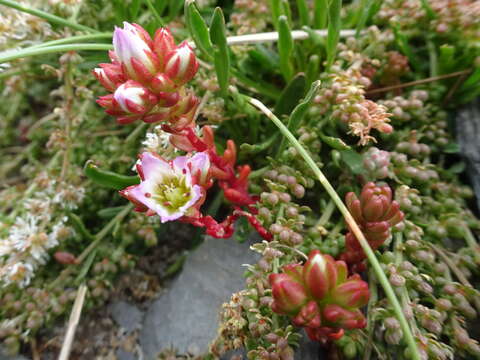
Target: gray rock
<point>307,349</point>
<point>468,135</point>
<point>186,316</point>
<point>126,315</point>
<point>124,355</point>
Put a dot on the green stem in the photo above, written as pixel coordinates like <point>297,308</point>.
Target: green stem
<point>98,237</point>
<point>33,186</point>
<point>74,39</point>
<point>382,278</point>
<point>327,213</point>
<point>68,119</point>
<point>155,12</point>
<point>135,133</point>
<point>458,273</point>
<point>45,15</point>
<point>472,244</point>
<point>28,52</point>
<point>372,286</point>
<point>432,53</point>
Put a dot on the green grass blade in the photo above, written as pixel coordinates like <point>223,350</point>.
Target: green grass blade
<point>302,9</point>
<point>218,37</point>
<point>198,29</point>
<point>285,47</point>
<point>35,51</point>
<point>334,26</point>
<point>320,11</point>
<point>155,12</point>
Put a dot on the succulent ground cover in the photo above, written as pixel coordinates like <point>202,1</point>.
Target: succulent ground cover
<point>328,129</point>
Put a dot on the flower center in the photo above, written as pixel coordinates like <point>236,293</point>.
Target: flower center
<point>172,193</point>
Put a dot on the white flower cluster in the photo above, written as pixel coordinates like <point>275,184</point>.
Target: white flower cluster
<point>19,28</point>
<point>40,228</point>
<point>158,141</point>
<point>26,248</point>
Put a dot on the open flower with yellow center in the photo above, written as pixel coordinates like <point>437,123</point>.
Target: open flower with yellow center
<point>171,189</point>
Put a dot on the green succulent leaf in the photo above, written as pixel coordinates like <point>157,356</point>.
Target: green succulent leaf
<point>107,178</point>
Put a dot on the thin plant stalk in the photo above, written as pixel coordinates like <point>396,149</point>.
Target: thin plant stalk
<point>155,13</point>
<point>74,39</point>
<point>64,45</point>
<point>45,15</point>
<point>418,82</point>
<point>352,224</point>
<point>73,323</point>
<point>29,52</point>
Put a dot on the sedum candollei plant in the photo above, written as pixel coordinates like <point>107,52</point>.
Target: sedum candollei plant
<point>364,105</point>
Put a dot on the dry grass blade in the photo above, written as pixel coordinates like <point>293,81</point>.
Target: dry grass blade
<point>73,322</point>
<point>418,82</point>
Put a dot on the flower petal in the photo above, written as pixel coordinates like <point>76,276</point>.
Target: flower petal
<point>154,166</point>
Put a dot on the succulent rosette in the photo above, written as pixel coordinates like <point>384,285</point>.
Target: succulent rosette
<point>170,189</point>
<point>146,77</point>
<point>320,296</point>
<point>376,213</point>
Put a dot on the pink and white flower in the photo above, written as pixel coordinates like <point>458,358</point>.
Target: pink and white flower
<point>129,102</point>
<point>133,48</point>
<point>171,189</point>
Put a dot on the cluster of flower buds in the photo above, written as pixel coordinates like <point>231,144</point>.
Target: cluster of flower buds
<point>146,77</point>
<point>376,162</point>
<point>405,108</point>
<point>396,66</point>
<point>346,97</point>
<point>413,171</point>
<point>320,296</point>
<point>375,213</point>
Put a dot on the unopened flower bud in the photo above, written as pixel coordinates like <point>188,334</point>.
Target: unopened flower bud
<point>288,294</point>
<point>133,49</point>
<point>163,44</point>
<point>181,64</point>
<point>299,191</point>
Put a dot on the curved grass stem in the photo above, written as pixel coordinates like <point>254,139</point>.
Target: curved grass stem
<point>155,13</point>
<point>45,15</point>
<point>35,51</point>
<point>74,39</point>
<point>382,278</point>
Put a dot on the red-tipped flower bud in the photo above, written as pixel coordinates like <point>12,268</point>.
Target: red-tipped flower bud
<point>319,274</point>
<point>163,44</point>
<point>181,64</point>
<point>288,295</point>
<point>352,293</point>
<point>340,317</point>
<point>309,315</point>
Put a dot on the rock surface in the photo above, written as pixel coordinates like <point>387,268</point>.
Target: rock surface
<point>468,135</point>
<point>186,315</point>
<point>126,315</point>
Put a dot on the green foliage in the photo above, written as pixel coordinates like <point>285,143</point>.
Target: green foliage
<point>334,27</point>
<point>221,53</point>
<point>107,178</point>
